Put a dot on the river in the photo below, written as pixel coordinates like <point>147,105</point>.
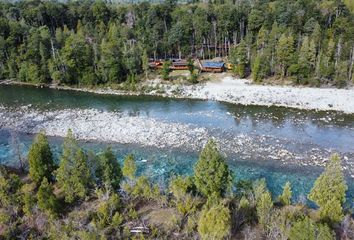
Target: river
<point>279,144</point>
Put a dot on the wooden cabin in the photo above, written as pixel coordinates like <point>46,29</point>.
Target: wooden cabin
<point>156,64</point>
<point>179,64</point>
<point>213,67</point>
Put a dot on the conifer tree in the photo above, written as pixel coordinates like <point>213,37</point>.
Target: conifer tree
<point>285,197</point>
<point>211,173</point>
<point>129,167</point>
<point>40,158</point>
<point>239,58</point>
<point>264,209</point>
<point>109,171</point>
<point>285,53</point>
<point>73,174</point>
<point>47,201</point>
<point>329,190</point>
<point>214,222</point>
<point>303,229</point>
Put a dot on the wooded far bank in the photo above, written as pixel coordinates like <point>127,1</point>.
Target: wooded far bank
<point>94,42</point>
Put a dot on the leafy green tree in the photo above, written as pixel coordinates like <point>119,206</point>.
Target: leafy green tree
<point>285,197</point>
<point>329,190</point>
<point>109,171</point>
<point>73,174</point>
<point>129,167</point>
<point>214,223</point>
<point>211,173</point>
<point>165,71</point>
<point>264,209</point>
<point>47,201</point>
<point>40,158</point>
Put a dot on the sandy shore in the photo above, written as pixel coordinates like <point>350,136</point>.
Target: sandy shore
<point>242,91</point>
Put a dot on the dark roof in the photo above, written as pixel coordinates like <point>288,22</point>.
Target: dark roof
<point>213,64</point>
<point>180,63</point>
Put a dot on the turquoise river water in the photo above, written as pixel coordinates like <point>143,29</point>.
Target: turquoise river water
<point>299,130</point>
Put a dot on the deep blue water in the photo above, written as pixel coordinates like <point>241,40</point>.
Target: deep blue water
<point>325,130</point>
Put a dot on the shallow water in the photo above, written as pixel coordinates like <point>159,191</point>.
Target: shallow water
<point>298,130</point>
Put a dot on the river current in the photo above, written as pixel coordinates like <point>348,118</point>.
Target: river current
<point>276,143</point>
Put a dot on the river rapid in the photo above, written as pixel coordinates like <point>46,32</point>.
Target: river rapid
<point>165,135</point>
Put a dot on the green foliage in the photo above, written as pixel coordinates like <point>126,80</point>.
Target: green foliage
<point>285,197</point>
<point>329,190</point>
<point>324,232</point>
<point>98,42</point>
<point>108,212</point>
<point>211,173</point>
<point>73,174</point>
<point>143,189</point>
<point>28,198</point>
<point>165,71</point>
<point>180,186</point>
<point>40,158</point>
<point>285,53</point>
<point>109,172</point>
<point>259,187</point>
<point>238,57</point>
<point>264,209</point>
<point>10,186</point>
<point>214,223</point>
<point>129,167</point>
<point>47,201</point>
<point>303,230</point>
<point>306,229</point>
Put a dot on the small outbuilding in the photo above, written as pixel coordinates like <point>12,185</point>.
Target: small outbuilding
<point>213,66</point>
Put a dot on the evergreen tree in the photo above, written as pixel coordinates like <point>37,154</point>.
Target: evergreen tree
<point>264,209</point>
<point>303,230</point>
<point>129,167</point>
<point>165,71</point>
<point>47,201</point>
<point>40,159</point>
<point>109,171</point>
<point>73,174</point>
<point>239,58</point>
<point>285,53</point>
<point>285,197</point>
<point>211,173</point>
<point>214,223</point>
<point>324,233</point>
<point>329,190</point>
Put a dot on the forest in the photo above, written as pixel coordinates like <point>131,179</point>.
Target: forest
<point>87,43</point>
<point>87,195</point>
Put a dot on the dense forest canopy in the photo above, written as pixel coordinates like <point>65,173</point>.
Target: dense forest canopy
<point>94,42</point>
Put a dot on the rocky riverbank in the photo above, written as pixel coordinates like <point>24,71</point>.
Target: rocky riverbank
<point>241,91</point>
<point>105,126</point>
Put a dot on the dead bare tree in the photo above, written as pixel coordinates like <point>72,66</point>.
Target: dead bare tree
<point>18,149</point>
